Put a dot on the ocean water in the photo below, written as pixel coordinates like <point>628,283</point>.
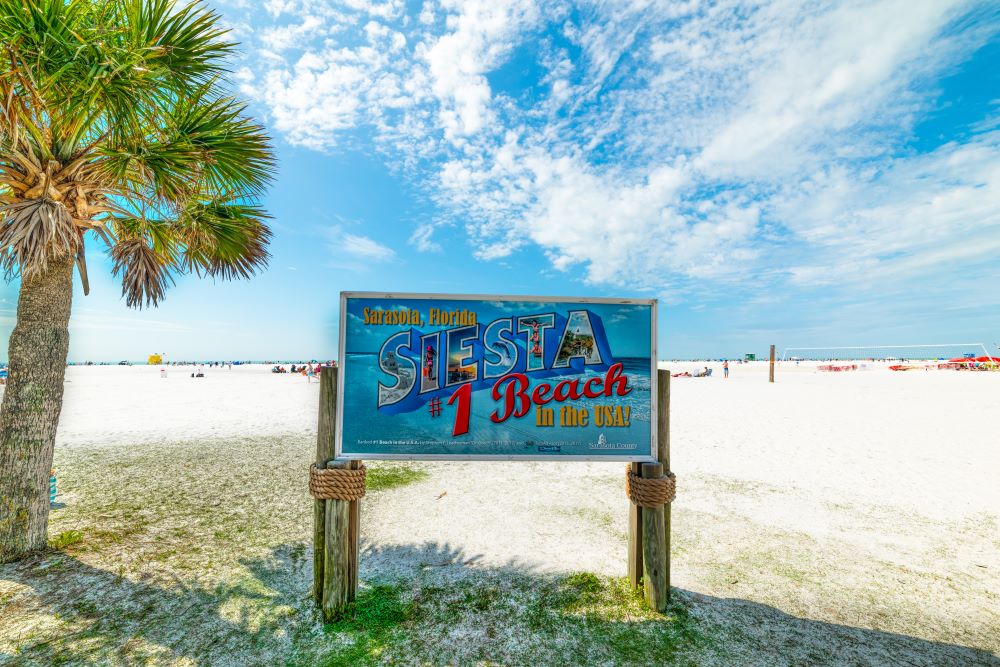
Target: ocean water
<point>366,430</point>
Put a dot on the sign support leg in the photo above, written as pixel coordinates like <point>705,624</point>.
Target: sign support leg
<point>353,540</point>
<point>337,589</point>
<point>655,558</point>
<point>649,527</point>
<point>336,523</point>
<point>324,452</point>
<point>663,456</point>
<point>635,541</point>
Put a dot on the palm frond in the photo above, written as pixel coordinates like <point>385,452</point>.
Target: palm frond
<point>185,45</point>
<point>163,170</point>
<point>33,231</point>
<point>145,274</point>
<point>81,265</point>
<point>233,151</point>
<point>224,240</point>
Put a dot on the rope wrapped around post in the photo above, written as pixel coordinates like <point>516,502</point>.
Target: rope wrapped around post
<point>650,491</point>
<point>337,483</point>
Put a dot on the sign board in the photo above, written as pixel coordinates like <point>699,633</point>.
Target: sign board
<point>426,376</point>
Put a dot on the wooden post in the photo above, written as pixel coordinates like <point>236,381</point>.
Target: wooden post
<point>771,379</point>
<point>635,540</point>
<point>337,588</point>
<point>649,528</point>
<point>663,453</point>
<point>353,540</point>
<point>654,554</point>
<point>324,452</point>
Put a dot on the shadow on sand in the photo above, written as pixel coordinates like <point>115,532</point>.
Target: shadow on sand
<point>56,609</point>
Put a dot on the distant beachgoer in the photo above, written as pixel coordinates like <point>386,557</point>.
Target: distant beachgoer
<point>310,373</point>
<point>725,369</point>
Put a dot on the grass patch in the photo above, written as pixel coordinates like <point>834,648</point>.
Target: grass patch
<point>366,629</point>
<point>506,617</point>
<point>391,476</point>
<point>66,538</point>
<point>377,609</point>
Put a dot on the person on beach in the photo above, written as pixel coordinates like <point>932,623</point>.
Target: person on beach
<point>309,373</point>
<point>725,369</point>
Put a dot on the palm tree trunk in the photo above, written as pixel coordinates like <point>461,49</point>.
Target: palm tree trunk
<point>32,401</point>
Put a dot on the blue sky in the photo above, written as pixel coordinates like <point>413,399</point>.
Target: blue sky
<point>797,173</point>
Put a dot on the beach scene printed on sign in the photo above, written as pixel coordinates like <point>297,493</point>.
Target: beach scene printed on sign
<point>449,377</point>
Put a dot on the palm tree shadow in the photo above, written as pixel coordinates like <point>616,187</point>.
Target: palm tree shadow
<point>765,635</point>
<point>104,618</point>
<point>262,613</point>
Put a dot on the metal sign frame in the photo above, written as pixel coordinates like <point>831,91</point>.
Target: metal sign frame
<point>650,456</point>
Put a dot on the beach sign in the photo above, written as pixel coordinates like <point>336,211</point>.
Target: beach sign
<point>427,376</point>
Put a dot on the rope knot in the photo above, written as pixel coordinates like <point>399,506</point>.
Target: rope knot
<point>650,491</point>
<point>336,483</point>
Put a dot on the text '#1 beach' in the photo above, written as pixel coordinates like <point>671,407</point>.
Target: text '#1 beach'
<point>480,377</point>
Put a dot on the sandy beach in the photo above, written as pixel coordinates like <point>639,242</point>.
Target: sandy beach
<point>926,441</point>
<point>852,515</point>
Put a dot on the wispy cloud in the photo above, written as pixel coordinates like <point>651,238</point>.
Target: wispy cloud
<point>355,251</point>
<point>363,247</point>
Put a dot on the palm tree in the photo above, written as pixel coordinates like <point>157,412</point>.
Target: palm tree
<point>115,127</point>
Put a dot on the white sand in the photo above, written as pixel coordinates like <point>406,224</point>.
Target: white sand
<point>923,443</point>
<point>132,404</point>
<point>830,512</point>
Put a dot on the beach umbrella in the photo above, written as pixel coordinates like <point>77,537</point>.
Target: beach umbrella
<point>975,360</point>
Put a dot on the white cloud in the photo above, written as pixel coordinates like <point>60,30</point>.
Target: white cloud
<point>355,251</point>
<point>661,147</point>
<point>481,33</point>
<point>284,37</point>
<point>422,238</point>
<point>938,209</point>
<point>365,248</point>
